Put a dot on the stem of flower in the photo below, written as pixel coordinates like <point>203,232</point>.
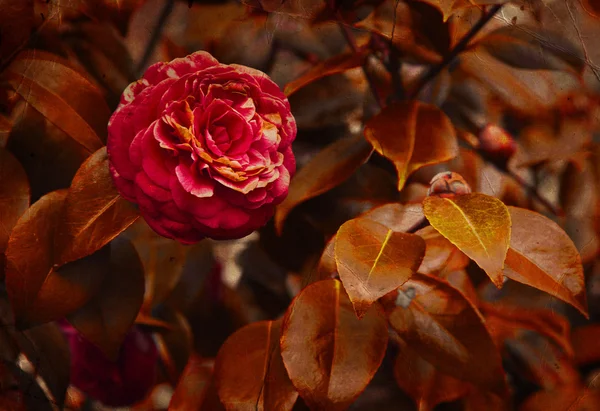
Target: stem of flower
<point>155,37</point>
<point>460,47</point>
<point>352,43</point>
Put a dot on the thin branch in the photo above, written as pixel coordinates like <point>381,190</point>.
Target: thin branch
<point>156,35</point>
<point>557,211</point>
<point>394,67</point>
<point>352,43</point>
<point>459,48</point>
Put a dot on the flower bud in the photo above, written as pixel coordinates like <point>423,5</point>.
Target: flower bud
<point>448,184</point>
<point>497,144</point>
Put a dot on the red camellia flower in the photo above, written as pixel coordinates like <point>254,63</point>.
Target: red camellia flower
<point>116,384</point>
<point>203,148</point>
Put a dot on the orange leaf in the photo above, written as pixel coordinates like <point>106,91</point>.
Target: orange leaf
<point>94,213</point>
<point>331,355</point>
<point>192,388</point>
<point>335,65</point>
<point>249,372</point>
<point>108,316</point>
<point>479,225</point>
<point>423,382</point>
<point>37,291</point>
<point>328,169</point>
<point>543,256</point>
<point>396,216</point>
<point>412,135</point>
<point>14,194</point>
<point>440,254</point>
<point>373,260</point>
<point>585,344</point>
<point>62,95</point>
<point>446,329</point>
<point>567,398</point>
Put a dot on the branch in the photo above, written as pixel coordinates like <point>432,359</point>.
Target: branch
<point>155,37</point>
<point>459,48</point>
<point>352,43</point>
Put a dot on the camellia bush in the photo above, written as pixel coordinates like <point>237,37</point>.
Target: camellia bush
<point>300,204</point>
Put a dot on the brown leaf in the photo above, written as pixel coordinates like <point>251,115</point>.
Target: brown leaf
<point>331,355</point>
<point>249,371</point>
<point>479,225</point>
<point>446,329</point>
<point>108,316</point>
<point>174,345</point>
<point>372,260</point>
<point>6,126</point>
<point>14,194</point>
<point>62,95</point>
<point>328,169</point>
<point>426,385</point>
<point>335,65</point>
<point>440,254</point>
<point>543,256</point>
<point>412,135</point>
<point>533,48</point>
<point>450,7</point>
<point>397,217</point>
<point>585,344</point>
<point>16,23</point>
<point>192,388</point>
<point>93,214</point>
<point>567,398</point>
<point>38,292</point>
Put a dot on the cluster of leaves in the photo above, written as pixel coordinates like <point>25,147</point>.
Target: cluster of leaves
<point>374,287</point>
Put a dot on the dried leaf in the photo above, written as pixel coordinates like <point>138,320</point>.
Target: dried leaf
<point>446,329</point>
<point>39,292</point>
<point>335,65</point>
<point>331,355</point>
<point>479,225</point>
<point>412,135</point>
<point>108,316</point>
<point>62,95</point>
<point>372,260</point>
<point>14,194</point>
<point>543,256</point>
<point>192,388</point>
<point>328,169</point>
<point>423,382</point>
<point>249,371</point>
<point>94,213</point>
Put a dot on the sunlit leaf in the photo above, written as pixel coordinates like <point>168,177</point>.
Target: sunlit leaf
<point>326,170</point>
<point>191,391</point>
<point>373,260</point>
<point>412,135</point>
<point>39,292</point>
<point>446,329</point>
<point>249,371</point>
<point>62,95</point>
<point>479,225</point>
<point>94,212</point>
<point>533,48</point>
<point>423,382</point>
<point>543,256</point>
<point>16,23</point>
<point>335,65</point>
<point>331,355</point>
<point>14,194</point>
<point>108,316</point>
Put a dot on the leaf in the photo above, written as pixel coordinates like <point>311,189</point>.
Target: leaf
<point>14,194</point>
<point>423,382</point>
<point>446,329</point>
<point>479,225</point>
<point>108,316</point>
<point>533,48</point>
<point>331,355</point>
<point>30,395</point>
<point>567,398</point>
<point>585,344</point>
<point>62,95</point>
<point>174,345</point>
<point>6,126</point>
<point>328,169</point>
<point>450,7</point>
<point>440,254</point>
<point>94,213</point>
<point>192,388</point>
<point>16,23</point>
<point>334,65</point>
<point>412,135</point>
<point>249,371</point>
<point>543,256</point>
<point>397,217</point>
<point>38,292</point>
<point>373,260</point>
